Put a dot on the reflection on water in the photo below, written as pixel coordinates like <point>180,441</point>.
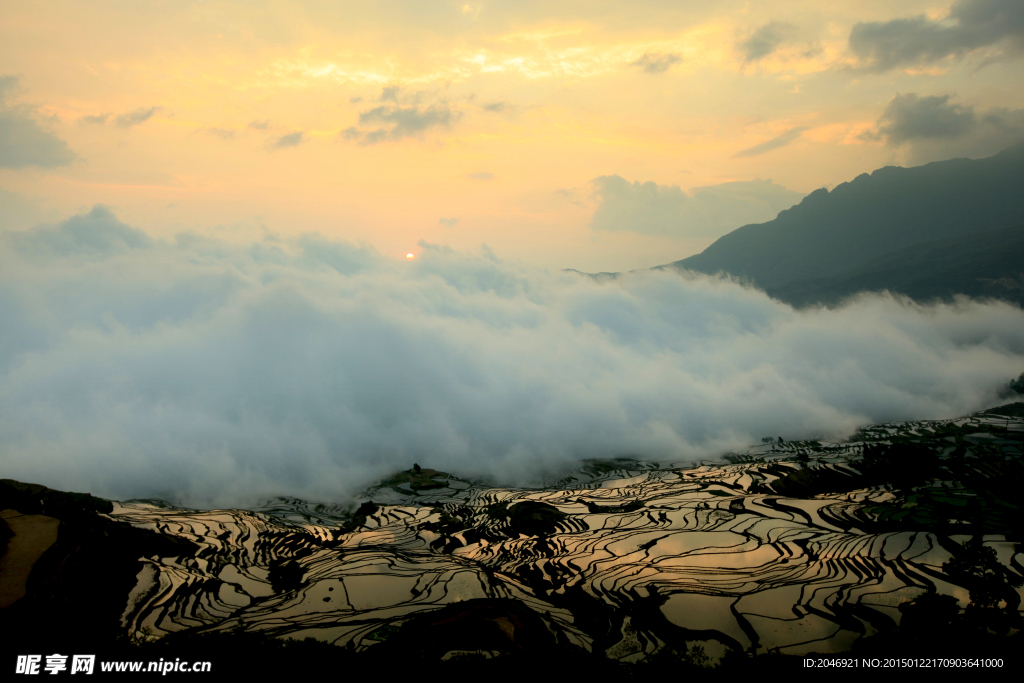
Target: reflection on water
<point>712,548</point>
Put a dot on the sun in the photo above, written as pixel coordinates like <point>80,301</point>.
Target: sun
<point>409,256</point>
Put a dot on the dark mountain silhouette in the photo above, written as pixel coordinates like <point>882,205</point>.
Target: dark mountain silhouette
<point>982,266</point>
<point>933,231</point>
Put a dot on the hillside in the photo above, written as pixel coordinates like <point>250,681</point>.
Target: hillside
<point>982,266</point>
<point>928,231</point>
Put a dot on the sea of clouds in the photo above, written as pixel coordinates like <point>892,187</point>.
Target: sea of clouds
<point>213,373</point>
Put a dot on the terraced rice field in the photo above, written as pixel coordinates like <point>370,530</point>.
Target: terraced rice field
<point>621,557</point>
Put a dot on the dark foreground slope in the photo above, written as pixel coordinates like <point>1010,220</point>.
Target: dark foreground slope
<point>78,580</point>
<point>933,231</point>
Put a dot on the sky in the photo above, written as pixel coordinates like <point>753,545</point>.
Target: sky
<point>206,209</point>
<point>600,136</point>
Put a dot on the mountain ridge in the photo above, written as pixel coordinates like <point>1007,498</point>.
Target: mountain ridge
<point>856,228</point>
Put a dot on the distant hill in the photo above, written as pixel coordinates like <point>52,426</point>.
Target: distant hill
<point>932,231</point>
<point>985,265</point>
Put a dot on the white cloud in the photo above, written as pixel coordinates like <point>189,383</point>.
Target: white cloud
<point>23,141</point>
<point>656,62</point>
<point>401,116</point>
<point>216,374</point>
<point>96,234</point>
<point>972,25</point>
<point>766,40</point>
<point>776,142</point>
<point>293,139</point>
<point>136,117</point>
<point>933,128</point>
<point>710,211</point>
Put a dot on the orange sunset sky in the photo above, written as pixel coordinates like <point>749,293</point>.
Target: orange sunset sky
<point>590,135</point>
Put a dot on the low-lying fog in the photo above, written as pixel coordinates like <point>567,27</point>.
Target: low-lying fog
<point>215,374</point>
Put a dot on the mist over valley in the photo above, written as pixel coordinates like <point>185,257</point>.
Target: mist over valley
<point>217,373</point>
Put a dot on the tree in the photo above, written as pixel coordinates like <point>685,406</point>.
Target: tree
<point>977,569</point>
